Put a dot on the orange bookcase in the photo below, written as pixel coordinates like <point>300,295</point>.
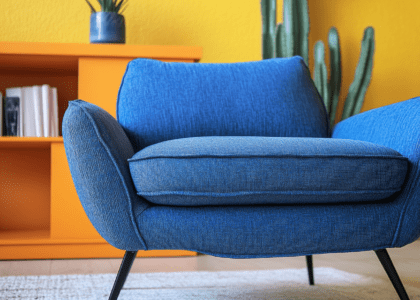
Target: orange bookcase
<point>40,214</point>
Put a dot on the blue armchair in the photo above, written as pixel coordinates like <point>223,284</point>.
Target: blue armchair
<point>238,160</point>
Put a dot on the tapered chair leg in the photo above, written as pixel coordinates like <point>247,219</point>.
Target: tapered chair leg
<point>310,266</point>
<point>125,267</point>
<point>392,273</point>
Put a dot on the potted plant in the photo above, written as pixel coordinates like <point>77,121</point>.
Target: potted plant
<point>108,25</point>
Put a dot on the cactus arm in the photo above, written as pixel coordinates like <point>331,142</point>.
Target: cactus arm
<point>303,23</point>
<point>289,28</point>
<point>335,71</point>
<point>268,10</point>
<point>368,47</point>
<point>357,90</point>
<point>320,74</point>
<point>279,40</point>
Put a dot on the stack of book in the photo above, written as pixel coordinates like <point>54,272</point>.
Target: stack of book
<point>29,111</point>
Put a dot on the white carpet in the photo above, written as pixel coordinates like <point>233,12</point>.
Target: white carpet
<point>271,284</point>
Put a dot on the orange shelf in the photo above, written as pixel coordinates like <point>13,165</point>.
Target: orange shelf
<point>28,142</point>
<point>39,237</point>
<point>64,57</point>
<point>41,216</point>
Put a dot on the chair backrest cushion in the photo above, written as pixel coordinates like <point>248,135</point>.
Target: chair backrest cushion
<point>160,101</point>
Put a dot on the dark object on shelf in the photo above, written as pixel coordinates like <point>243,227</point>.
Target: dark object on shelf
<point>11,115</point>
<point>107,27</point>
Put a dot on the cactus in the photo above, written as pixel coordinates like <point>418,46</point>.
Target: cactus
<point>294,31</point>
<point>269,18</point>
<point>358,88</point>
<point>321,75</point>
<point>291,38</point>
<point>303,21</point>
<point>335,71</point>
<point>280,43</point>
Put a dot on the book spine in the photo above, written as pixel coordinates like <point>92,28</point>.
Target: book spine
<point>28,112</point>
<point>39,127</point>
<point>46,110</point>
<point>12,116</point>
<point>55,111</point>
<point>17,92</point>
<point>21,108</point>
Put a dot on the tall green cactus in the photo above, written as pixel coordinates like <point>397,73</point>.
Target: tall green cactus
<point>269,18</point>
<point>321,75</point>
<point>358,88</point>
<point>294,32</point>
<point>291,38</point>
<point>335,71</point>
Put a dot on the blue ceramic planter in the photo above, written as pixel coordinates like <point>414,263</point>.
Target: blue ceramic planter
<point>107,27</point>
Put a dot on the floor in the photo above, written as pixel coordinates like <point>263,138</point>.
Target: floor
<point>406,260</point>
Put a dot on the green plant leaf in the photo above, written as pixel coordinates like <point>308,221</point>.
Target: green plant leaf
<point>101,2</point>
<point>110,6</point>
<point>91,7</point>
<point>118,6</point>
<point>122,10</point>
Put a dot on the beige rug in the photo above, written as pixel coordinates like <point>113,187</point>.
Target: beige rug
<point>271,284</point>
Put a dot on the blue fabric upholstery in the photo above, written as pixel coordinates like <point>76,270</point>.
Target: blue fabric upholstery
<point>294,230</point>
<point>395,126</point>
<point>265,170</point>
<point>271,98</point>
<point>271,231</point>
<point>160,101</point>
<point>97,150</point>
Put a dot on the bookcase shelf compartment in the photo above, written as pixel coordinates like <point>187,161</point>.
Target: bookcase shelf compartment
<point>40,214</point>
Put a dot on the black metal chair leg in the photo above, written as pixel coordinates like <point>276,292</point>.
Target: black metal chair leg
<point>310,266</point>
<point>392,273</point>
<point>125,267</point>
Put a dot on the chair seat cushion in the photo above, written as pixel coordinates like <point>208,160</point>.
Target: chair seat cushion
<point>237,170</point>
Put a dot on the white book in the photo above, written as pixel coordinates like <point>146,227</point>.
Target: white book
<point>17,92</point>
<point>37,94</point>
<point>28,112</point>
<point>46,110</point>
<point>54,112</point>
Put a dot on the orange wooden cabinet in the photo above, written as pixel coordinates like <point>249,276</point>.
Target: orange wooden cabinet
<point>40,214</point>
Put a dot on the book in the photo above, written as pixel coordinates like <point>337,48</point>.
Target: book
<point>28,112</point>
<point>38,111</point>
<point>54,112</point>
<point>17,92</point>
<point>39,124</point>
<point>12,115</point>
<point>46,109</point>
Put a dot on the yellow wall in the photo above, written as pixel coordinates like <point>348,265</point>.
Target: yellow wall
<point>230,31</point>
<point>396,69</point>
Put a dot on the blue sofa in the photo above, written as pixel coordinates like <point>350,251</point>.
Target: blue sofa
<point>239,160</point>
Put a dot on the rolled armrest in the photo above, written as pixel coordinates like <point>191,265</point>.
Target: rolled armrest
<point>97,150</point>
<point>396,126</point>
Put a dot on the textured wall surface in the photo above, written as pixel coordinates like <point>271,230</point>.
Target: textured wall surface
<point>230,31</point>
<point>396,68</point>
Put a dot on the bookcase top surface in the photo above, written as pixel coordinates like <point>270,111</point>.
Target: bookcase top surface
<point>65,56</point>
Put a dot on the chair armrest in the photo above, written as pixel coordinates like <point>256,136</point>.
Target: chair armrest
<point>396,126</point>
<point>97,150</point>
